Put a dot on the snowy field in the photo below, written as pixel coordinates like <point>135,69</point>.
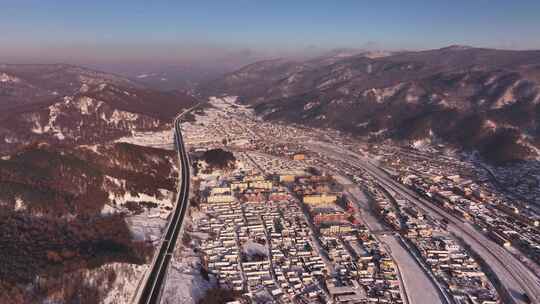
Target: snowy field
<point>184,283</point>
<point>125,284</point>
<point>159,139</point>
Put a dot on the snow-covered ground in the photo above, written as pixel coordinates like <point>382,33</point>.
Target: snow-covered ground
<point>208,128</point>
<point>149,225</point>
<point>146,226</point>
<point>6,78</point>
<point>122,288</point>
<point>184,283</point>
<point>158,139</point>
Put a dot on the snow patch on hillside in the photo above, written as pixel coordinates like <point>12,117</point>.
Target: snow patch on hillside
<point>147,226</point>
<point>6,78</point>
<point>310,105</point>
<point>93,148</point>
<point>120,183</point>
<point>327,83</point>
<point>123,287</point>
<point>148,223</point>
<point>87,105</point>
<point>507,97</point>
<point>20,205</point>
<point>383,94</point>
<point>379,132</point>
<point>411,97</point>
<point>293,78</point>
<point>35,120</point>
<point>362,124</point>
<point>119,116</point>
<point>163,199</point>
<point>159,139</point>
<point>525,140</point>
<point>84,88</point>
<point>490,124</point>
<point>54,112</point>
<point>184,287</point>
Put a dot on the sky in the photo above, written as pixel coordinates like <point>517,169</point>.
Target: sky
<point>167,31</point>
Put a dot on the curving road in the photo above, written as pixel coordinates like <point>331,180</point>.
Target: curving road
<point>153,281</point>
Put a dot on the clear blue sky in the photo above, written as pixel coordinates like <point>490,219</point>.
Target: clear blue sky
<point>134,28</point>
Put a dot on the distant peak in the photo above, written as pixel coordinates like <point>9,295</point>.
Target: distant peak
<point>457,47</point>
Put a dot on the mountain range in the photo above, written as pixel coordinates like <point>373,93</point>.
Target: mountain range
<point>73,105</point>
<point>475,99</point>
<point>71,198</point>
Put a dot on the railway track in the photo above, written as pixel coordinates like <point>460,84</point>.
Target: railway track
<point>519,275</point>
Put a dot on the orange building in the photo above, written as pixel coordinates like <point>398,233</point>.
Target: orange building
<point>299,156</point>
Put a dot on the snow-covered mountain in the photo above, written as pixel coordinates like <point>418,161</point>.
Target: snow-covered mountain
<point>23,84</point>
<point>79,225</point>
<point>477,99</point>
<point>79,213</point>
<point>89,107</point>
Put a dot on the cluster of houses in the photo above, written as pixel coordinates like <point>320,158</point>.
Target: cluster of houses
<point>458,275</point>
<point>359,259</point>
<point>521,178</point>
<point>264,242</point>
<point>355,255</point>
<point>260,241</point>
<point>474,193</point>
<point>504,222</point>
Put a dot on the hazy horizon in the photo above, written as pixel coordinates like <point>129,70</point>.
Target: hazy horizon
<point>165,32</point>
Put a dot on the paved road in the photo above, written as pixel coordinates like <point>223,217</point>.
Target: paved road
<point>515,277</point>
<point>420,288</point>
<point>153,281</point>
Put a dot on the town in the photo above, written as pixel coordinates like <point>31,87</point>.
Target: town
<point>295,221</point>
